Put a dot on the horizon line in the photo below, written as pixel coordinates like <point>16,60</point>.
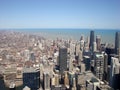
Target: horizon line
<point>60,28</point>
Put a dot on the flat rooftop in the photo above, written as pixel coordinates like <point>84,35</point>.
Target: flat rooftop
<point>30,70</point>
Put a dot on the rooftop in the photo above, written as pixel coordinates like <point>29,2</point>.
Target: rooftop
<point>99,55</point>
<point>30,70</point>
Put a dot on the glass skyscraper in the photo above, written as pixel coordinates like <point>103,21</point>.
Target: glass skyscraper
<point>117,44</point>
<point>91,39</point>
<point>63,59</point>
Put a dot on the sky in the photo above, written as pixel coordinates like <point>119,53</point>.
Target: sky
<point>103,14</point>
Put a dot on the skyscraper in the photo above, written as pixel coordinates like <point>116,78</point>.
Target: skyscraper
<point>71,62</point>
<point>114,73</point>
<point>105,66</point>
<point>91,39</point>
<point>80,57</point>
<point>31,78</point>
<point>66,79</point>
<point>98,42</point>
<point>63,59</point>
<point>117,43</point>
<point>46,80</point>
<point>99,65</point>
<point>94,47</point>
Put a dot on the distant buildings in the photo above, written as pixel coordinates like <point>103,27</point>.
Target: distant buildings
<point>117,44</point>
<point>98,42</point>
<point>63,64</point>
<point>92,36</point>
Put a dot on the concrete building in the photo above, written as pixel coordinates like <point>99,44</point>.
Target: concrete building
<point>82,42</point>
<point>104,87</point>
<point>77,48</point>
<point>86,60</point>
<point>92,84</point>
<point>71,58</point>
<point>80,57</point>
<point>66,80</point>
<point>74,84</point>
<point>46,81</point>
<point>82,67</point>
<point>115,73</point>
<point>94,49</point>
<point>99,65</point>
<point>71,76</point>
<point>55,80</point>
<point>81,79</point>
<point>98,42</point>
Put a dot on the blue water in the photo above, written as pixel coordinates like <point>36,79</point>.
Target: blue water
<point>107,35</point>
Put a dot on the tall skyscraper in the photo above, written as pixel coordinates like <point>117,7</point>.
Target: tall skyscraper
<point>105,66</point>
<point>46,80</point>
<point>77,48</point>
<point>62,59</point>
<point>87,63</point>
<point>117,43</point>
<point>66,80</point>
<point>91,39</point>
<point>94,47</point>
<point>71,62</point>
<point>114,73</point>
<point>80,57</point>
<point>99,65</point>
<point>98,42</point>
<point>74,84</point>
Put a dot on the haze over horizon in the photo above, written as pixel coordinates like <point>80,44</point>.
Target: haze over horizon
<point>91,14</point>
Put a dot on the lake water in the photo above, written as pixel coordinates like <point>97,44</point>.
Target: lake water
<point>107,35</point>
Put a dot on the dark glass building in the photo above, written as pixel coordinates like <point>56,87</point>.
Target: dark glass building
<point>117,43</point>
<point>91,39</point>
<point>62,59</point>
<point>31,78</point>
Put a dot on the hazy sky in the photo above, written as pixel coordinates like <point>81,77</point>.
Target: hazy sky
<point>60,14</point>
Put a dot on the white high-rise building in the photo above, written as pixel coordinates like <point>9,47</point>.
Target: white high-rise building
<point>46,80</point>
<point>99,65</point>
<point>115,69</point>
<point>94,46</point>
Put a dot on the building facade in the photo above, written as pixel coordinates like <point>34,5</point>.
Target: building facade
<point>31,78</point>
<point>62,59</point>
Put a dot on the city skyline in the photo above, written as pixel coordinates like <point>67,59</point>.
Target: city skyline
<point>31,62</point>
<point>59,45</point>
<point>60,14</point>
